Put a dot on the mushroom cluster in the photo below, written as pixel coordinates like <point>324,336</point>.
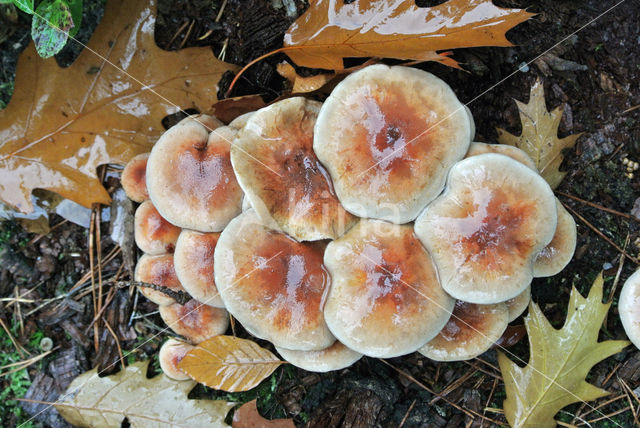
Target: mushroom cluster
<point>369,224</point>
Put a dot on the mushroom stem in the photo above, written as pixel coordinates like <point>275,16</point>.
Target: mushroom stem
<point>179,296</point>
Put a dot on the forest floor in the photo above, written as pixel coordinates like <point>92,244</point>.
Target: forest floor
<point>592,70</point>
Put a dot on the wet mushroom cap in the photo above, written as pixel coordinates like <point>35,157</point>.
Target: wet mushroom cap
<point>518,304</point>
<point>193,260</point>
<point>335,357</point>
<point>195,320</point>
<point>486,229</point>
<point>190,178</point>
<point>558,253</point>
<point>629,308</point>
<point>154,235</point>
<point>274,285</point>
<point>515,153</point>
<point>240,121</point>
<point>158,270</point>
<point>385,298</point>
<point>208,121</point>
<point>470,331</point>
<point>171,353</point>
<point>134,178</point>
<point>388,136</point>
<point>281,176</point>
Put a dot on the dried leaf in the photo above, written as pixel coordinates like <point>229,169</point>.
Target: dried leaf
<point>229,363</point>
<point>62,123</point>
<point>559,363</point>
<point>101,402</point>
<point>228,109</point>
<point>303,84</point>
<point>331,30</point>
<point>539,136</point>
<point>247,416</point>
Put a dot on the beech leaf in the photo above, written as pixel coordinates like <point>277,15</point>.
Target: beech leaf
<point>247,416</point>
<point>229,363</point>
<point>103,402</point>
<point>331,30</point>
<point>559,363</point>
<point>61,124</point>
<point>539,137</point>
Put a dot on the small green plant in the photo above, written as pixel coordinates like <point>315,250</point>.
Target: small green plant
<point>54,21</point>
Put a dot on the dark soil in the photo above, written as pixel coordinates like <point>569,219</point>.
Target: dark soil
<point>593,74</point>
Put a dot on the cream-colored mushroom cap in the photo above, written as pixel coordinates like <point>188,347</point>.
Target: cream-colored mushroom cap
<point>470,331</point>
<point>388,136</point>
<point>385,298</point>
<point>518,304</point>
<point>193,259</point>
<point>513,152</point>
<point>335,357</point>
<point>240,121</point>
<point>274,285</point>
<point>208,121</point>
<point>488,226</point>
<point>190,178</point>
<point>154,235</point>
<point>171,353</point>
<point>283,180</point>
<point>629,308</point>
<point>158,270</point>
<point>134,176</point>
<point>559,252</point>
<point>195,320</point>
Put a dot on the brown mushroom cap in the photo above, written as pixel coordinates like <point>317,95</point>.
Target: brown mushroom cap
<point>513,152</point>
<point>195,320</point>
<point>518,304</point>
<point>470,331</point>
<point>190,178</point>
<point>274,285</point>
<point>171,353</point>
<point>193,260</point>
<point>629,308</point>
<point>153,234</point>
<point>158,270</point>
<point>385,298</point>
<point>558,253</point>
<point>335,357</point>
<point>134,178</point>
<point>388,136</point>
<point>488,226</point>
<point>285,183</point>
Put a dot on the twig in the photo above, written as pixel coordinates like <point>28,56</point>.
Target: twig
<point>182,27</point>
<point>406,415</point>
<point>180,297</point>
<point>19,348</point>
<point>599,207</point>
<point>113,333</point>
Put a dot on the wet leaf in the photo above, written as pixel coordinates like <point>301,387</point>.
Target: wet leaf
<point>50,27</point>
<point>229,363</point>
<point>24,5</point>
<point>539,137</point>
<point>228,109</point>
<point>62,123</point>
<point>247,416</point>
<point>101,402</point>
<point>301,84</point>
<point>331,30</point>
<point>559,363</point>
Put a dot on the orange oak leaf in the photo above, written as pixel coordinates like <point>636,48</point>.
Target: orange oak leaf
<point>331,30</point>
<point>247,416</point>
<point>61,124</point>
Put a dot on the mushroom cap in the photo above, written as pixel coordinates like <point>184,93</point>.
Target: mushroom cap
<point>190,178</point>
<point>629,308</point>
<point>157,270</point>
<point>558,253</point>
<point>385,298</point>
<point>335,357</point>
<point>513,152</point>
<point>208,121</point>
<point>134,178</point>
<point>171,353</point>
<point>283,180</point>
<point>486,229</point>
<point>388,136</point>
<point>195,320</point>
<point>193,260</point>
<point>154,235</point>
<point>470,331</point>
<point>518,304</point>
<point>240,121</point>
<point>472,123</point>
<point>274,285</point>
